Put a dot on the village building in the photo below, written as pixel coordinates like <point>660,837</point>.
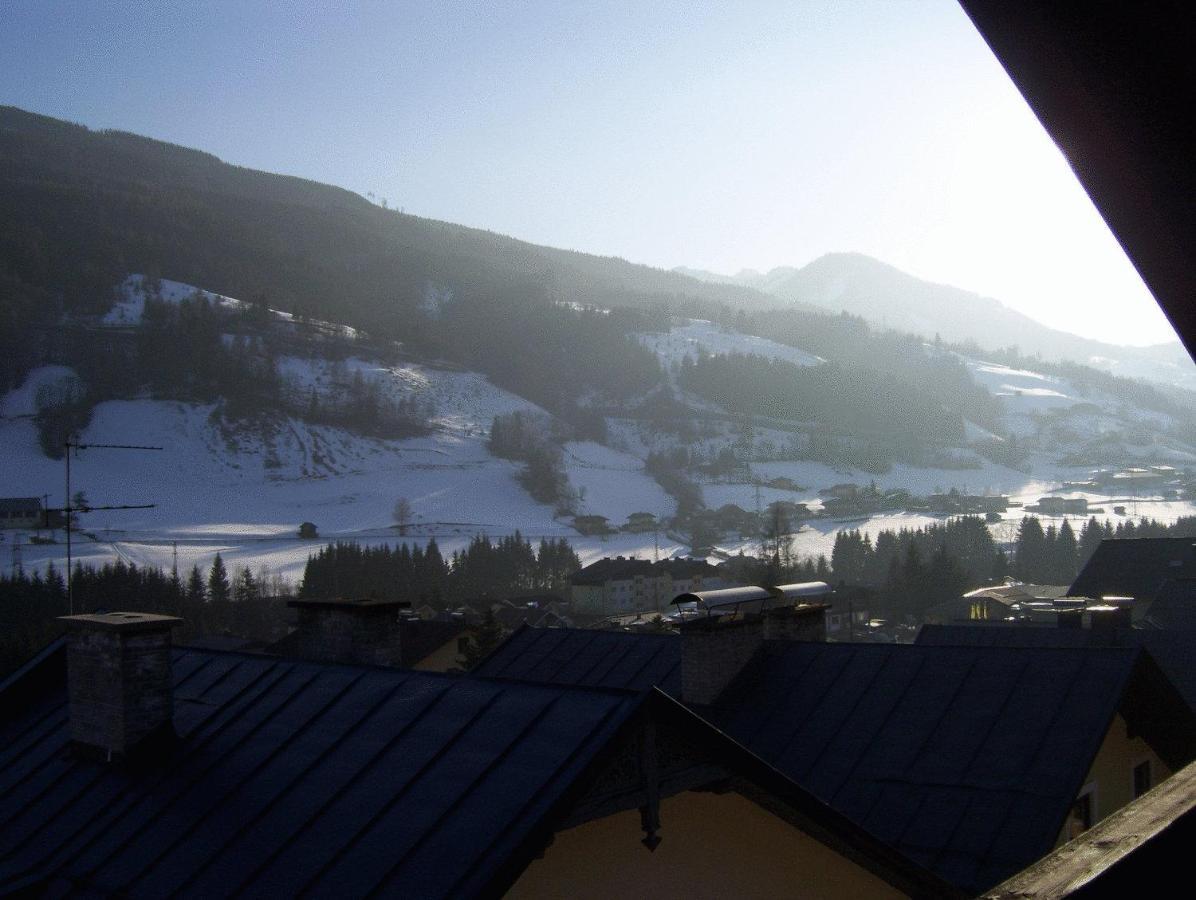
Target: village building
<point>972,761</point>
<point>1143,845</point>
<point>22,512</point>
<point>377,632</point>
<point>620,585</point>
<point>1061,506</point>
<point>1135,567</point>
<point>995,603</point>
<point>130,767</point>
<point>641,522</point>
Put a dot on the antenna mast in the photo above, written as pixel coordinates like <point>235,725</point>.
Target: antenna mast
<point>69,508</point>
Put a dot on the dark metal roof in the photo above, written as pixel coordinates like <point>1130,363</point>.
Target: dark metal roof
<point>1172,650</point>
<point>21,505</point>
<point>292,776</point>
<point>588,658</point>
<point>1135,567</point>
<point>966,759</point>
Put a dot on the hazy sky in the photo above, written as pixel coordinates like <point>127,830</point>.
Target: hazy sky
<point>719,136</point>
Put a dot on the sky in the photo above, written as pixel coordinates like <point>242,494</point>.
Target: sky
<point>718,136</point>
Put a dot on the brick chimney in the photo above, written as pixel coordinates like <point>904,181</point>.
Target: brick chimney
<point>714,649</point>
<point>348,631</point>
<point>806,622</point>
<point>119,679</point>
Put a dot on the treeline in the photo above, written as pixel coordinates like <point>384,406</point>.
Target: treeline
<point>242,604</point>
<point>916,568</point>
<point>881,417</point>
<point>197,351</point>
<point>935,376</point>
<point>485,569</point>
<point>114,203</point>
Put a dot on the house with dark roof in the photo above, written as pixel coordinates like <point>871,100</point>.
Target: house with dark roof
<point>21,512</point>
<point>129,767</point>
<point>1146,843</point>
<point>970,761</point>
<point>994,602</point>
<point>1170,649</point>
<point>617,585</point>
<point>1135,567</point>
<point>378,632</point>
<point>588,658</point>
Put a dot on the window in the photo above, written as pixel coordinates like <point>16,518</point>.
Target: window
<point>1142,778</point>
<point>1082,813</point>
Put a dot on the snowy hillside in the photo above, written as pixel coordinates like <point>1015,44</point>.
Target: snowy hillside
<point>244,489</point>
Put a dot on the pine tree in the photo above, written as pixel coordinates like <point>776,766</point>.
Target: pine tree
<point>218,586</point>
<point>196,593</point>
<point>1031,559</point>
<point>1065,553</point>
<point>245,589</point>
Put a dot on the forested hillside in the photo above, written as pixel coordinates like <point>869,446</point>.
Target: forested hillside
<point>83,209</point>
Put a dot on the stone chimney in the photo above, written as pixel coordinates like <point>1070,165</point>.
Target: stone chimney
<point>714,649</point>
<point>348,631</point>
<point>119,679</point>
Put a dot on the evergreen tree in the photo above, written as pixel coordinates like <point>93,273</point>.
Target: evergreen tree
<point>1030,562</point>
<point>219,590</point>
<point>246,588</point>
<point>1065,554</point>
<point>196,593</point>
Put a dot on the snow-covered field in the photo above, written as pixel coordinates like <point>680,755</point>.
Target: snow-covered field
<point>244,493</point>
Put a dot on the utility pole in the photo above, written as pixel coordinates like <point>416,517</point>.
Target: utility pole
<point>69,508</point>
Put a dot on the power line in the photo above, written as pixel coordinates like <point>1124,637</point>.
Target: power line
<point>69,507</point>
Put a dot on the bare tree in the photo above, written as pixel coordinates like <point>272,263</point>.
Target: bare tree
<point>402,514</point>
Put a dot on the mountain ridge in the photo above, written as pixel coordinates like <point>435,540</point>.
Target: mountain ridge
<point>887,296</point>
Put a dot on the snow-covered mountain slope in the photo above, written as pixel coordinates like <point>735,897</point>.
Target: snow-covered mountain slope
<point>244,489</point>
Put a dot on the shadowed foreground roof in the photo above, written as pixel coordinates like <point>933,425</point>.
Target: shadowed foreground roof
<point>292,776</point>
<point>1172,650</point>
<point>1146,842</point>
<point>589,658</point>
<point>966,759</point>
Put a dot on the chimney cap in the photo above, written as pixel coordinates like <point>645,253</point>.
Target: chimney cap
<point>121,622</point>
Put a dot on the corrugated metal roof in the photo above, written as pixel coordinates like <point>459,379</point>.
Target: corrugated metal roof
<point>966,759</point>
<point>724,597</point>
<point>588,658</point>
<point>293,776</point>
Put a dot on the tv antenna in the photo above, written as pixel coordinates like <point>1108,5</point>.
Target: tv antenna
<point>69,508</point>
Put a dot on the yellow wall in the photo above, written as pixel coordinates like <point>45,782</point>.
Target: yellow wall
<point>1113,772</point>
<point>714,845</point>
